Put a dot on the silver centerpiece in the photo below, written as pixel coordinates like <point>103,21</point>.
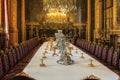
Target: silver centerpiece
<point>61,44</point>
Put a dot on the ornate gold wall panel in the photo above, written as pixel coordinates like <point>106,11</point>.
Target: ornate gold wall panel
<point>98,16</point>
<point>116,25</point>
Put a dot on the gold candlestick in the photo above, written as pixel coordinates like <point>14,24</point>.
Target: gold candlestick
<point>51,46</point>
<point>90,64</point>
<point>54,52</point>
<point>70,50</point>
<point>46,48</point>
<point>81,55</point>
<point>42,64</point>
<point>44,56</point>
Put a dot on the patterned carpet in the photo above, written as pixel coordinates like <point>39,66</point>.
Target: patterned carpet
<point>21,65</point>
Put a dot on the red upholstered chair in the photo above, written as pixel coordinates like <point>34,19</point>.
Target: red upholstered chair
<point>119,64</point>
<point>96,50</point>
<point>22,48</point>
<point>73,41</point>
<point>6,50</point>
<point>2,52</point>
<point>21,78</point>
<point>85,44</point>
<point>20,51</point>
<point>100,49</point>
<point>115,59</point>
<point>93,48</point>
<point>104,53</point>
<point>17,52</point>
<point>109,56</point>
<point>14,54</point>
<point>11,59</point>
<point>78,42</point>
<point>88,46</point>
<point>25,47</point>
<point>82,44</point>
<point>6,65</point>
<point>1,68</point>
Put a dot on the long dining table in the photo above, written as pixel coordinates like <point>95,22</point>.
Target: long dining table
<point>77,71</point>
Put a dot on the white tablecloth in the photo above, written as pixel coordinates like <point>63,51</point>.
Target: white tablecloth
<point>76,71</point>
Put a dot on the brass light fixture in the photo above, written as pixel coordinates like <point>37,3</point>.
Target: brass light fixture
<point>56,10</point>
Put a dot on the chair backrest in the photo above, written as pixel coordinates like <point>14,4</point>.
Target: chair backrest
<point>17,52</point>
<point>104,53</point>
<point>23,49</point>
<point>6,65</point>
<point>96,50</point>
<point>82,44</point>
<point>1,68</point>
<point>109,56</point>
<point>100,49</point>
<point>119,64</point>
<point>2,52</point>
<point>20,51</point>
<point>14,54</point>
<point>93,49</point>
<point>77,42</point>
<point>11,59</point>
<point>88,46</point>
<point>21,78</point>
<point>115,59</point>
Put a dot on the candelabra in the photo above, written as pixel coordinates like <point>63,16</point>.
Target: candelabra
<point>44,55</point>
<point>54,51</point>
<point>81,55</point>
<point>42,64</point>
<point>56,10</point>
<point>90,64</point>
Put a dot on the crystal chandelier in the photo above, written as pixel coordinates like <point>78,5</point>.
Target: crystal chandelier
<point>56,10</point>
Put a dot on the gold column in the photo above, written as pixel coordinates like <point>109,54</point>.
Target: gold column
<point>114,14</point>
<point>88,19</point>
<point>98,18</point>
<point>1,29</point>
<point>23,20</point>
<point>12,5</point>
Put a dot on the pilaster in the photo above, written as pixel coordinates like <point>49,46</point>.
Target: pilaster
<point>114,14</point>
<point>13,22</point>
<point>23,21</point>
<point>98,19</point>
<point>88,19</point>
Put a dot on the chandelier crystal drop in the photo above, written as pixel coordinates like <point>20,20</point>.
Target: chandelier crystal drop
<point>56,10</point>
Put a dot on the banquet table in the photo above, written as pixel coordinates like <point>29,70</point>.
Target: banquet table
<point>76,71</point>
